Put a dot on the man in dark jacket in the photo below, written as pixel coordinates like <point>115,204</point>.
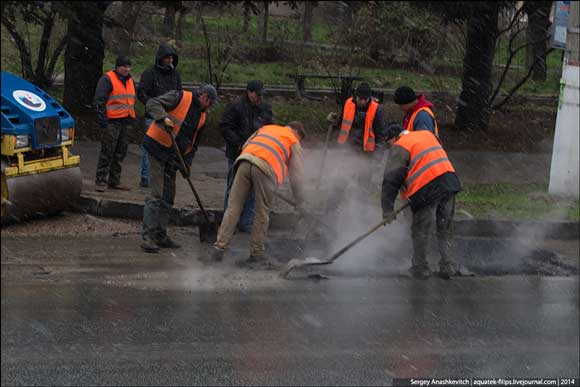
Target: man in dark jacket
<point>183,113</point>
<point>155,81</point>
<point>239,121</point>
<point>420,168</point>
<point>362,136</point>
<point>115,103</point>
<point>418,111</point>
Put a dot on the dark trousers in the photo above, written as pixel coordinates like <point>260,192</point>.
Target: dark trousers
<point>439,213</point>
<point>159,202</point>
<point>247,216</point>
<point>114,144</point>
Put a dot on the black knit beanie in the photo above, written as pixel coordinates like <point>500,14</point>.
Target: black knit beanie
<point>404,95</point>
<point>122,60</point>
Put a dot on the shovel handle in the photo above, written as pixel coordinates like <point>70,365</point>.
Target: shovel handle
<point>188,178</point>
<point>363,236</point>
<point>293,204</point>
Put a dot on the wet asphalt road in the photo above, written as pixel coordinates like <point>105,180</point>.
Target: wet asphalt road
<point>92,310</point>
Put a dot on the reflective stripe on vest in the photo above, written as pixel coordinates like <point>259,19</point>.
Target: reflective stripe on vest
<point>348,118</point>
<point>428,160</point>
<point>121,101</point>
<point>273,144</point>
<point>414,115</point>
<point>177,115</point>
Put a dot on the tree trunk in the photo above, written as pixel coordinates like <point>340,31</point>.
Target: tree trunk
<point>265,22</point>
<point>473,108</point>
<point>536,35</point>
<point>180,24</point>
<point>246,27</point>
<point>23,51</point>
<point>130,14</point>
<point>83,61</point>
<point>42,79</point>
<point>307,21</point>
<point>169,20</point>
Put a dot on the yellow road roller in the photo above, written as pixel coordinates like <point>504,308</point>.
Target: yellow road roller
<point>40,176</point>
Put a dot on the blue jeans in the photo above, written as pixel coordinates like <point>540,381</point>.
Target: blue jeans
<point>247,216</point>
<point>145,165</point>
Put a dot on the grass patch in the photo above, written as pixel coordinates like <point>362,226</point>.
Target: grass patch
<point>520,202</point>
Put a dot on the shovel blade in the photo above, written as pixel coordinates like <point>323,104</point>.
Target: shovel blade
<point>295,263</point>
<point>208,232</point>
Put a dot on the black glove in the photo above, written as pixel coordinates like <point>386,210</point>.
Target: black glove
<point>184,172</point>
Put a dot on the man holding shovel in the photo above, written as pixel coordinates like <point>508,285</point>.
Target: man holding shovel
<point>269,155</point>
<point>182,113</point>
<point>420,168</point>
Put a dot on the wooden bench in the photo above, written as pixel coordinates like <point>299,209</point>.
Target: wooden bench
<point>345,84</point>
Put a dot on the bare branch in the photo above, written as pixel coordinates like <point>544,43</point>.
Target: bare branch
<point>508,64</point>
<point>512,22</point>
<point>520,83</point>
<point>207,43</point>
<point>25,58</point>
<point>55,55</point>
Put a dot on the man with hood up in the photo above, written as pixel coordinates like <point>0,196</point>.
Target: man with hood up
<point>155,81</point>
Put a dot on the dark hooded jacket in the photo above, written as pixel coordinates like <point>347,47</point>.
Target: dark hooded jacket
<point>159,79</point>
<point>239,120</point>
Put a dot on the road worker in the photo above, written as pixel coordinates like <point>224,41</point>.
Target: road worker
<point>115,103</point>
<point>239,121</point>
<point>183,113</point>
<point>419,167</point>
<point>418,111</point>
<point>270,154</point>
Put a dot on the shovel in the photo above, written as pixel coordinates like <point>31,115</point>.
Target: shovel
<point>208,230</point>
<point>311,261</point>
<point>305,214</point>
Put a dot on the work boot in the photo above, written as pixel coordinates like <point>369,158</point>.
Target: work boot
<point>144,183</point>
<point>251,260</point>
<point>420,272</point>
<point>259,262</point>
<point>100,187</point>
<point>446,271</point>
<point>167,243</point>
<point>214,255</point>
<point>149,246</point>
<point>119,187</point>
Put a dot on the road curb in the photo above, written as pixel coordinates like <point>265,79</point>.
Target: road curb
<point>564,230</point>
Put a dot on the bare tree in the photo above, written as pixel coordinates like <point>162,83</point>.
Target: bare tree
<point>307,19</point>
<point>122,21</point>
<point>43,15</point>
<point>220,49</point>
<point>537,34</point>
<point>85,51</point>
<point>265,16</point>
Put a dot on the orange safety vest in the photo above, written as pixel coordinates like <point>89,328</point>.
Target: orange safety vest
<point>412,119</point>
<point>428,160</point>
<point>348,118</point>
<point>273,143</point>
<point>121,101</point>
<point>177,115</point>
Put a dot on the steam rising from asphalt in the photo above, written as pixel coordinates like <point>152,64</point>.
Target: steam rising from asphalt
<point>352,209</point>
